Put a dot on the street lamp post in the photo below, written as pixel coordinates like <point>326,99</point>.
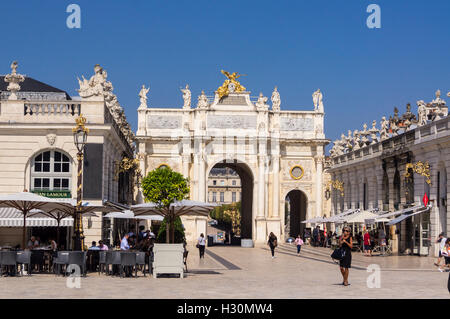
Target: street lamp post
<point>80,133</point>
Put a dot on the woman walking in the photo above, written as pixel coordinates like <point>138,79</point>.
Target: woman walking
<point>299,243</point>
<point>272,242</point>
<point>201,242</point>
<point>346,244</point>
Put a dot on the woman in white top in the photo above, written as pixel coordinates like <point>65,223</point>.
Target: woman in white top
<point>201,243</point>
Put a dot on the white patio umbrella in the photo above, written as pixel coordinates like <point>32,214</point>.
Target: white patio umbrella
<point>130,215</point>
<point>59,213</point>
<point>359,218</point>
<point>25,202</point>
<point>176,209</point>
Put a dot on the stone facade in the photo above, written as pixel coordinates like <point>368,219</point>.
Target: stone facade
<point>30,127</point>
<point>374,177</point>
<point>263,146</point>
<point>224,186</point>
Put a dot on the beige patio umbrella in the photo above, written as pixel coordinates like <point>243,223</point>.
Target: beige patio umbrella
<point>59,213</point>
<point>183,207</point>
<point>25,202</point>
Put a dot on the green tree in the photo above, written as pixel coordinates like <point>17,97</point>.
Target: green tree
<point>163,186</point>
<point>179,236</point>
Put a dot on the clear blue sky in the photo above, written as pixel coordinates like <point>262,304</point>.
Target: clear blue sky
<point>297,45</point>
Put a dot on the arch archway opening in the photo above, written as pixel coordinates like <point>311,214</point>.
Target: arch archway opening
<point>232,183</point>
<point>295,213</point>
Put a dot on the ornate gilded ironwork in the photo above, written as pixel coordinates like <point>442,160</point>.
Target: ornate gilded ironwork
<point>231,84</point>
<point>420,168</point>
<point>127,165</point>
<point>336,184</point>
<point>80,121</point>
<point>297,172</point>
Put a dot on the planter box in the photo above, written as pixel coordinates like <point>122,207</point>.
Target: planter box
<point>168,259</point>
<point>246,243</point>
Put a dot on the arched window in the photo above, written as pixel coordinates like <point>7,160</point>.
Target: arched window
<point>51,171</point>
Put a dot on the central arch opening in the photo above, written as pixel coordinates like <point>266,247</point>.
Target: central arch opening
<point>231,183</point>
<point>295,213</point>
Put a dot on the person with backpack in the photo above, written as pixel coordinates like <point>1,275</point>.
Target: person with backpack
<point>272,242</point>
<point>299,243</point>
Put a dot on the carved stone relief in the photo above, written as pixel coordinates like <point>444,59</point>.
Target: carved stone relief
<point>297,124</point>
<point>231,121</point>
<point>163,122</point>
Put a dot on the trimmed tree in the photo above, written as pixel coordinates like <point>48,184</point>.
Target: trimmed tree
<point>163,186</point>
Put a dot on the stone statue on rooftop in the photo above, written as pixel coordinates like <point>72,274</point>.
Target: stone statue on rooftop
<point>186,97</point>
<point>384,130</point>
<point>202,101</point>
<point>422,113</point>
<point>143,97</point>
<point>373,132</point>
<point>262,102</point>
<point>364,133</point>
<point>356,140</point>
<point>276,101</point>
<point>317,100</point>
<point>93,86</point>
<point>408,118</point>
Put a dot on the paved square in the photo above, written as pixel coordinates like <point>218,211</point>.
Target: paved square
<point>234,272</point>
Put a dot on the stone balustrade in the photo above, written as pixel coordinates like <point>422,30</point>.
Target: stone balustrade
<point>394,144</point>
<point>62,108</point>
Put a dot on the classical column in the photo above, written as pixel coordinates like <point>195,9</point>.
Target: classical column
<point>186,161</point>
<point>260,212</point>
<point>202,179</point>
<point>319,168</point>
<point>276,186</point>
<point>196,182</point>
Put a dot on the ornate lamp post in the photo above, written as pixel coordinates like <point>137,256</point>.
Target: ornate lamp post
<point>80,133</point>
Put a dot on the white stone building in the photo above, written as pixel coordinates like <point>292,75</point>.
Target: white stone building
<point>374,174</point>
<point>37,150</point>
<point>224,186</point>
<point>275,152</point>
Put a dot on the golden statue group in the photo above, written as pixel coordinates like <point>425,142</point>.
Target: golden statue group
<point>230,85</point>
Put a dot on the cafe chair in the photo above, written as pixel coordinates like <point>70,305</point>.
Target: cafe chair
<point>140,260</point>
<point>61,260</point>
<point>78,258</point>
<point>127,259</point>
<point>101,261</point>
<point>8,260</point>
<point>24,258</point>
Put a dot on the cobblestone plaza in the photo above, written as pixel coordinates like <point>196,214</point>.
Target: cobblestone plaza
<point>231,272</point>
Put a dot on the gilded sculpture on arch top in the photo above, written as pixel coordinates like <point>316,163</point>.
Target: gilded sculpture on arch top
<point>230,85</point>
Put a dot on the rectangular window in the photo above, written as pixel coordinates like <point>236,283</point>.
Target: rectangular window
<point>233,197</point>
<point>222,197</point>
<point>214,182</point>
<point>214,197</point>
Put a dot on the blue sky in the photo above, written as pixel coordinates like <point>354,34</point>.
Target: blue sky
<point>297,45</point>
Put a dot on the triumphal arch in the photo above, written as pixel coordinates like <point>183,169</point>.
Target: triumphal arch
<point>278,154</point>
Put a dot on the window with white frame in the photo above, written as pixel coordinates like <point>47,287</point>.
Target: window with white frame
<point>233,197</point>
<point>51,171</point>
<point>222,197</point>
<point>214,198</point>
